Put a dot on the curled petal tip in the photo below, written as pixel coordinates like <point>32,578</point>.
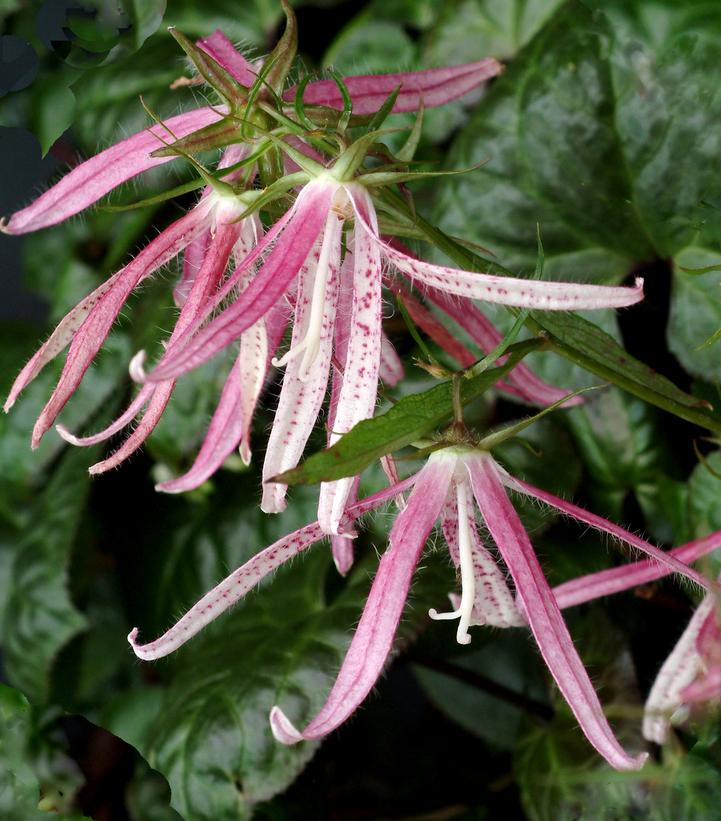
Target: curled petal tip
<point>8,404</point>
<point>282,728</point>
<point>65,434</point>
<point>162,487</point>
<point>132,635</point>
<point>4,222</point>
<point>136,367</point>
<point>639,761</point>
<point>96,469</point>
<point>245,454</point>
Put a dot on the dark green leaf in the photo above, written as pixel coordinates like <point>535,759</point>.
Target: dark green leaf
<point>587,345</point>
<point>481,710</point>
<point>212,739</point>
<point>696,315</point>
<point>39,617</point>
<point>407,421</point>
<point>19,786</point>
<point>53,111</point>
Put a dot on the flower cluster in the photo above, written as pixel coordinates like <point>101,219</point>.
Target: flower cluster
<point>297,227</point>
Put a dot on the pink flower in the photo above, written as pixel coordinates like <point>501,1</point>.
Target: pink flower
<point>692,671</point>
<point>304,253</point>
<point>522,382</point>
<point>209,237</point>
<point>690,674</point>
<point>443,489</point>
<point>93,179</point>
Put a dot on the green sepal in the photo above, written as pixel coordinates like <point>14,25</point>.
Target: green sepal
<point>284,53</point>
<point>409,147</point>
<point>185,188</point>
<point>216,135</point>
<point>497,437</point>
<point>408,421</point>
<point>377,178</point>
<point>211,71</point>
<point>350,160</point>
<point>383,112</point>
<point>260,199</point>
<point>347,112</point>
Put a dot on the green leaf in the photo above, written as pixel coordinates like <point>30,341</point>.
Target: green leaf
<point>704,512</point>
<point>695,314</point>
<point>53,110</point>
<point>407,421</point>
<point>621,446</point>
<point>144,16</point>
<point>108,106</point>
<point>468,29</point>
<point>491,714</point>
<point>383,44</point>
<point>39,617</point>
<point>21,469</point>
<point>19,786</point>
<point>634,157</point>
<point>212,739</point>
<point>587,345</point>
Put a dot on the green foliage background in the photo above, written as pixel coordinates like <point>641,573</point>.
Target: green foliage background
<point>605,130</point>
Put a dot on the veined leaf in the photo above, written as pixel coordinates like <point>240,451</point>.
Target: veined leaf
<point>408,420</point>
<point>584,343</point>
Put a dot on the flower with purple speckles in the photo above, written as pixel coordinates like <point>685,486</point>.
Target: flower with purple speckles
<point>444,489</point>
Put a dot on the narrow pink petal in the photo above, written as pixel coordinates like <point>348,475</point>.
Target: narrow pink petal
<point>192,260</point>
<point>430,88</point>
<point>494,603</point>
<point>342,544</point>
<point>94,178</point>
<point>58,340</point>
<point>220,48</point>
<point>196,251</point>
<point>208,277</point>
<point>359,386</point>
<point>227,593</point>
<point>677,672</point>
<point>617,579</point>
<point>221,440</point>
<point>544,617</point>
<point>373,638</point>
<point>436,330</point>
<point>205,282</point>
<point>342,552</point>
<point>267,287</point>
<point>242,580</point>
<point>253,362</point>
<point>709,638</point>
<point>102,313</point>
<point>391,368</point>
<point>133,409</point>
<point>578,513</point>
<point>301,399</point>
<point>291,166</point>
<point>706,687</point>
<point>522,293</point>
<point>145,427</point>
<point>487,337</point>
